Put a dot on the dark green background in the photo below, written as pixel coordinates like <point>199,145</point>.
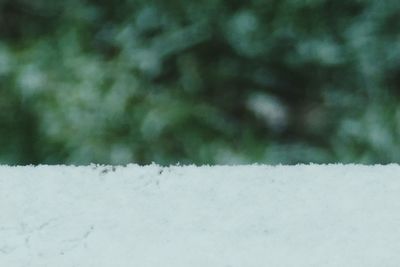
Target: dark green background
<point>199,82</point>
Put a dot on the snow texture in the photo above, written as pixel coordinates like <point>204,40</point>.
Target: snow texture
<point>220,216</point>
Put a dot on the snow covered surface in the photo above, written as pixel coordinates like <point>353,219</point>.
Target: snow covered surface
<point>221,216</point>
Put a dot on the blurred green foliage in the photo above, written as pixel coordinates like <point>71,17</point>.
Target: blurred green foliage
<point>210,81</point>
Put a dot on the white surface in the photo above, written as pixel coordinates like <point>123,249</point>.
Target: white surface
<point>243,216</point>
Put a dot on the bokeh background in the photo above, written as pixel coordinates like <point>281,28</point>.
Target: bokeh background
<point>202,82</point>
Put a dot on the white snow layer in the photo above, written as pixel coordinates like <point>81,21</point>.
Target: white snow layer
<point>221,216</point>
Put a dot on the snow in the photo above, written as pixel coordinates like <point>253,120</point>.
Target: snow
<point>210,216</point>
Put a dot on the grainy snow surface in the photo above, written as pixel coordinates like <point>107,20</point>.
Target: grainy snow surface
<point>239,216</point>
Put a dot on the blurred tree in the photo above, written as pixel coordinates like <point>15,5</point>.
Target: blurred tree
<point>210,81</point>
